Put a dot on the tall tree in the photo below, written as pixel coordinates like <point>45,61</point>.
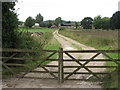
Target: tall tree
<point>49,23</point>
<point>58,21</point>
<point>87,23</point>
<point>39,19</point>
<point>105,23</point>
<point>97,22</point>
<point>29,22</point>
<point>9,25</point>
<point>101,23</point>
<point>76,25</point>
<point>115,20</point>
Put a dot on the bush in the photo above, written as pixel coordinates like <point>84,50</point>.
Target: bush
<point>62,28</point>
<point>31,43</point>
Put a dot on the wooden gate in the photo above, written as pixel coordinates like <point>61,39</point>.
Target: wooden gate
<point>19,69</point>
<point>107,58</point>
<point>62,75</point>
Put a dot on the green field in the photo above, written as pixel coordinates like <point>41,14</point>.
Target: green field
<point>35,30</point>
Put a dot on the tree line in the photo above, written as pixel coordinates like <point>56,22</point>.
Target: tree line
<point>29,22</point>
<point>87,23</point>
<point>102,23</point>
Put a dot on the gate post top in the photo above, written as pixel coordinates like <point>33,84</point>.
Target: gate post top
<point>61,49</point>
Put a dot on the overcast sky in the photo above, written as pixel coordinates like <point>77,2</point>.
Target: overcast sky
<point>73,10</point>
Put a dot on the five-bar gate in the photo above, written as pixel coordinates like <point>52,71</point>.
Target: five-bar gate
<point>61,75</point>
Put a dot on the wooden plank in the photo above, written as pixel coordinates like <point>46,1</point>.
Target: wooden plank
<point>51,66</point>
<point>69,51</point>
<point>86,73</point>
<point>91,66</point>
<point>39,78</point>
<point>34,59</point>
<point>73,79</point>
<point>36,71</point>
<point>92,51</point>
<point>43,72</point>
<point>13,64</point>
<point>25,50</point>
<point>70,60</point>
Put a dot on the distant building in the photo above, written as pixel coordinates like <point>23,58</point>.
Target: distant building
<point>53,26</point>
<point>23,24</point>
<point>68,25</point>
<point>36,25</point>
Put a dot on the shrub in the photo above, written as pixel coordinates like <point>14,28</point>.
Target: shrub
<point>62,28</point>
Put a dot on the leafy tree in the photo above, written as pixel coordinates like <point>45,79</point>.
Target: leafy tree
<point>29,22</point>
<point>43,24</point>
<point>58,21</point>
<point>49,23</point>
<point>9,25</point>
<point>115,20</point>
<point>101,23</point>
<point>105,23</point>
<point>10,36</point>
<point>20,22</point>
<point>87,23</point>
<point>39,19</point>
<point>68,21</point>
<point>97,22</point>
<point>76,25</point>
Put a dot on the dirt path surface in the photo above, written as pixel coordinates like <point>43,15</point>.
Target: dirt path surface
<point>67,44</point>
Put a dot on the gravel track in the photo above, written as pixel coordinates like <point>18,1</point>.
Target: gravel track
<point>67,44</point>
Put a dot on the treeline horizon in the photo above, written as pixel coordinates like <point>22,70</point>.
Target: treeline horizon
<point>98,22</point>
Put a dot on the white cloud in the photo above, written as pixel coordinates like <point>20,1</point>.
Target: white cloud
<point>74,10</point>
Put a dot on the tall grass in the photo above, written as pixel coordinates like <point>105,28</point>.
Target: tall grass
<point>93,41</point>
<point>100,43</point>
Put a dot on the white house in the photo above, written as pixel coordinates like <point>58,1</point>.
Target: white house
<point>36,25</point>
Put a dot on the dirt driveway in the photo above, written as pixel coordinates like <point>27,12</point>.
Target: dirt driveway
<point>67,44</point>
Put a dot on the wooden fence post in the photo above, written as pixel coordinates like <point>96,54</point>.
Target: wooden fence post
<point>118,76</point>
<point>60,66</point>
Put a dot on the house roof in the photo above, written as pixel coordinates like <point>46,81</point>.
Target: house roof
<point>67,24</point>
<point>53,26</point>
